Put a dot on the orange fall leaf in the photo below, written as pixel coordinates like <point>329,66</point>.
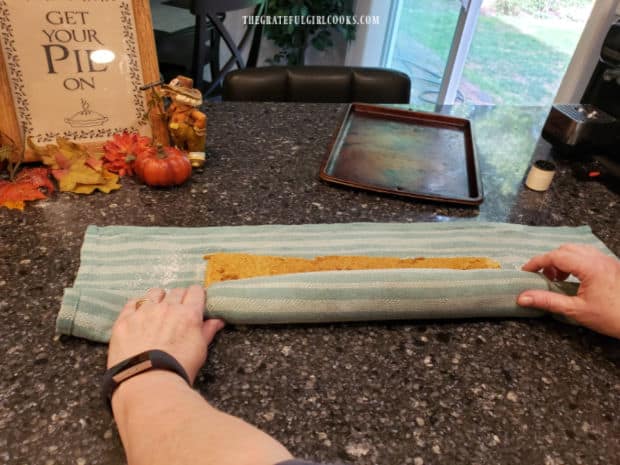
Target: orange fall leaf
<point>26,186</point>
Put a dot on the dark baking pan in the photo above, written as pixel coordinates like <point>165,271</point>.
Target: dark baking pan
<point>406,153</point>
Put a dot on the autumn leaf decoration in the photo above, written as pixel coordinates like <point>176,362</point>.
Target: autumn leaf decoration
<point>75,168</point>
<point>72,165</point>
<point>26,184</point>
<point>121,152</point>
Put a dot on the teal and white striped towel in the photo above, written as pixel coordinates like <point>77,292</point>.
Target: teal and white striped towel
<point>120,262</point>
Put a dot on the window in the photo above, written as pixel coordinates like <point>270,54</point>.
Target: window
<point>486,52</point>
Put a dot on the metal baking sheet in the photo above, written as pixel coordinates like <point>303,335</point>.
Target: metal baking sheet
<point>406,153</point>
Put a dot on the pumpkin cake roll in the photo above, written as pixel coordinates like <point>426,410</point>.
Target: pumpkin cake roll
<point>231,266</point>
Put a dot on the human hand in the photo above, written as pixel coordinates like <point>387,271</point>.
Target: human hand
<point>171,322</point>
<point>597,303</point>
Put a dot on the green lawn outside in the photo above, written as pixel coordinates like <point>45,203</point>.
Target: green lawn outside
<point>514,59</point>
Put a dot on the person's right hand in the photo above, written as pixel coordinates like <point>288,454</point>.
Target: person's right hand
<point>169,321</point>
<point>597,303</point>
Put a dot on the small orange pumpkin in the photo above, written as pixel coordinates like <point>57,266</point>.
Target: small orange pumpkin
<point>166,166</point>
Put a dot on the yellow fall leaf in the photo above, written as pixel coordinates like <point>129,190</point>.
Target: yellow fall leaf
<point>79,174</point>
<point>74,168</point>
<point>46,153</point>
<point>110,184</point>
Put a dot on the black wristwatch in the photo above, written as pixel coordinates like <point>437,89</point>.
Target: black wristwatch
<point>146,361</point>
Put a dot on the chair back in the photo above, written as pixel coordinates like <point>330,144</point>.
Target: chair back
<point>210,29</point>
<point>330,84</point>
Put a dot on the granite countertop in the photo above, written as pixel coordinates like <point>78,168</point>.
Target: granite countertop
<point>475,392</point>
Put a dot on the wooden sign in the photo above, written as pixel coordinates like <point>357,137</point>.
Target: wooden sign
<point>74,68</point>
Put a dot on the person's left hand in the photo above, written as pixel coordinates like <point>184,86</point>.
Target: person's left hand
<point>172,322</point>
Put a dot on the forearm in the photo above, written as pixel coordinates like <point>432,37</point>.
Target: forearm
<point>163,421</point>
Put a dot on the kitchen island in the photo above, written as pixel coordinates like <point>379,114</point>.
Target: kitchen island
<point>469,391</point>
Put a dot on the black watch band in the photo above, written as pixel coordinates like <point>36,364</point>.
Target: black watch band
<point>146,361</point>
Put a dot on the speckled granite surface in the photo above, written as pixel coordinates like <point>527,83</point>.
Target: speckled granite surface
<point>471,392</point>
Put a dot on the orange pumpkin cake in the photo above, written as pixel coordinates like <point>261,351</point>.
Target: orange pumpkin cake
<point>230,266</point>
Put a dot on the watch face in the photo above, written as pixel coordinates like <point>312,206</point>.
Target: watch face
<point>133,366</point>
<point>144,356</point>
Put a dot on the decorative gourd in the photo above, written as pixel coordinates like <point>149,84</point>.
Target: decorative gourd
<point>167,166</point>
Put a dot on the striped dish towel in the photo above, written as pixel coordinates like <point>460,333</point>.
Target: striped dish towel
<point>121,262</point>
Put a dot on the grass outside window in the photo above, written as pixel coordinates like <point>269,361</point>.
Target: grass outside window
<point>515,59</point>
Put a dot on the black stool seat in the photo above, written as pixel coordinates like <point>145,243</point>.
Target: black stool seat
<point>330,84</point>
